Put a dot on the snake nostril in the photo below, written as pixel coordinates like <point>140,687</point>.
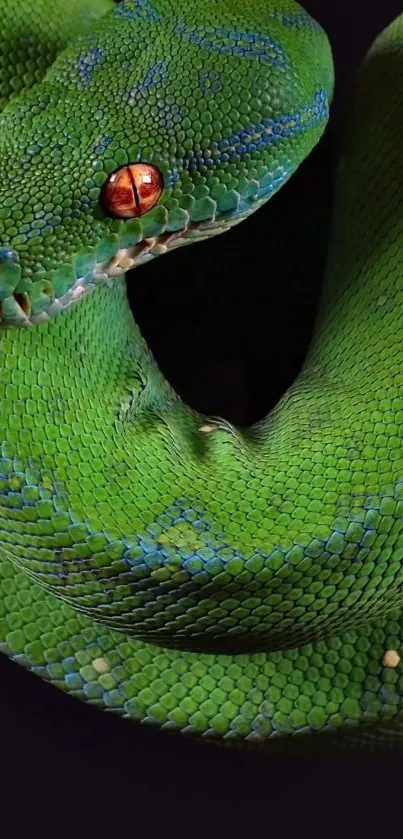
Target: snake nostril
<point>23,301</point>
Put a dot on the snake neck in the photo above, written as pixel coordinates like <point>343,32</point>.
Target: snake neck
<point>93,351</point>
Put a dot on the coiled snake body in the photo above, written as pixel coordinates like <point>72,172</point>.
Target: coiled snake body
<point>239,584</point>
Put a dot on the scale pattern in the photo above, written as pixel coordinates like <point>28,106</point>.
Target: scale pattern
<point>243,585</point>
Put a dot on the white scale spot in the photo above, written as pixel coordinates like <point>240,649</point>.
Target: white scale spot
<point>101,665</point>
<point>391,658</point>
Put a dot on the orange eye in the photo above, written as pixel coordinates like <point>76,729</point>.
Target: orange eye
<point>131,190</point>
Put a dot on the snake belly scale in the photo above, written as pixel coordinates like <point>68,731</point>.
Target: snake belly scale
<point>243,585</point>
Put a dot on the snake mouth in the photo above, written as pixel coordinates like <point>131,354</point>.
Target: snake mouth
<point>36,301</point>
<point>30,300</point>
<point>197,214</point>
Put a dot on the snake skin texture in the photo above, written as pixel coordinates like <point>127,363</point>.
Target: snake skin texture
<point>238,584</point>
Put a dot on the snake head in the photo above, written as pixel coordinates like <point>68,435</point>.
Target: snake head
<point>158,128</point>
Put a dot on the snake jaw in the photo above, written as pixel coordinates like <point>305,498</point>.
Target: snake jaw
<point>17,295</point>
<point>29,300</point>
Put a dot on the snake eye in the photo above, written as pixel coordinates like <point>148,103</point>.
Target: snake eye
<point>131,190</point>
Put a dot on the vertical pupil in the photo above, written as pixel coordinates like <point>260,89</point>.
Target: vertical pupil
<point>132,190</point>
<point>133,187</point>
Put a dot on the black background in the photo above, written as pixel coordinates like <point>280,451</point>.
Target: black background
<point>231,346</point>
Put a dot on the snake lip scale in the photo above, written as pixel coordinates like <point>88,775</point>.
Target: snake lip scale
<point>243,585</point>
<point>126,259</point>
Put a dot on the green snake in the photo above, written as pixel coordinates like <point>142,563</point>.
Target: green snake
<point>238,584</point>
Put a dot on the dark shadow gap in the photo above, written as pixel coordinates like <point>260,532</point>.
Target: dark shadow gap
<point>229,320</point>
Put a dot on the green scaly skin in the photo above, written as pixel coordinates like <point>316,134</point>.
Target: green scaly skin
<point>244,585</point>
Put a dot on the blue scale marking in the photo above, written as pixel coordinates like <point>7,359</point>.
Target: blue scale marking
<point>243,44</point>
<point>296,20</point>
<point>156,74</point>
<point>170,116</point>
<point>140,9</point>
<point>146,551</point>
<point>267,132</point>
<point>102,145</point>
<point>87,61</point>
